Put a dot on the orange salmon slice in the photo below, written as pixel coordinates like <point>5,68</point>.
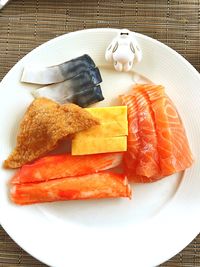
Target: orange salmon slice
<point>162,145</point>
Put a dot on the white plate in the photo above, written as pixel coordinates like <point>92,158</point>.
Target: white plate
<point>160,220</point>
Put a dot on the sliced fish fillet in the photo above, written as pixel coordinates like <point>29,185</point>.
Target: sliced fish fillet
<point>162,146</point>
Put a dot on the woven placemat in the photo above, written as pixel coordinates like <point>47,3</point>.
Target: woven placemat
<point>25,24</point>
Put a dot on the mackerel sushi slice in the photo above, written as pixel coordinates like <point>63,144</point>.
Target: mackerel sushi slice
<point>57,73</point>
<point>62,92</point>
<point>88,97</point>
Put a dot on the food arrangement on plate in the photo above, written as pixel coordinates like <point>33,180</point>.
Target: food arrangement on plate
<point>143,140</point>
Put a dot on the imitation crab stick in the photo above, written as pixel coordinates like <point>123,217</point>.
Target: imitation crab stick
<point>64,165</point>
<point>92,186</point>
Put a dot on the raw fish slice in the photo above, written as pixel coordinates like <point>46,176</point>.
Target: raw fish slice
<point>92,186</point>
<point>87,97</point>
<point>57,73</point>
<point>174,153</point>
<point>133,144</point>
<point>60,92</point>
<point>148,160</point>
<point>164,135</point>
<point>84,98</point>
<point>131,174</point>
<point>182,157</point>
<point>172,139</point>
<point>157,98</point>
<point>152,91</point>
<point>65,165</point>
<point>138,160</point>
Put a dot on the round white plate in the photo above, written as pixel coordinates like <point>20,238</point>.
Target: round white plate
<point>159,221</point>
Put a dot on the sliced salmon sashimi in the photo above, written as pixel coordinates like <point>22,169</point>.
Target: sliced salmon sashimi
<point>148,157</point>
<point>131,158</point>
<point>162,147</point>
<point>93,186</point>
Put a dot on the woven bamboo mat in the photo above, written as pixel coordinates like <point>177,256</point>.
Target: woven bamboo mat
<point>25,24</point>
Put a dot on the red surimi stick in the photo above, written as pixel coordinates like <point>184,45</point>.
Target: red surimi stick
<point>65,165</point>
<point>92,186</point>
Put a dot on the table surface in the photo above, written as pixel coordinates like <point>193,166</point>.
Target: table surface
<point>25,24</point>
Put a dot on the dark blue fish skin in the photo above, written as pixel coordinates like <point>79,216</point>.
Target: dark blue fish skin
<point>80,83</point>
<point>87,97</point>
<point>85,79</point>
<point>73,67</point>
<point>83,89</point>
<point>57,73</point>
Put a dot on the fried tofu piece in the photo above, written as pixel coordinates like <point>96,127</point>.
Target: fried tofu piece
<point>45,123</point>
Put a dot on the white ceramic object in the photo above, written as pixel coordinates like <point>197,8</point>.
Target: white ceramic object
<point>124,51</point>
<point>162,217</point>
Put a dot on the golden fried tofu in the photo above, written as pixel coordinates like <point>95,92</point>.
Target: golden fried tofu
<point>45,123</point>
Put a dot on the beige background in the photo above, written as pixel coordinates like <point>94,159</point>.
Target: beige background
<point>25,24</point>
